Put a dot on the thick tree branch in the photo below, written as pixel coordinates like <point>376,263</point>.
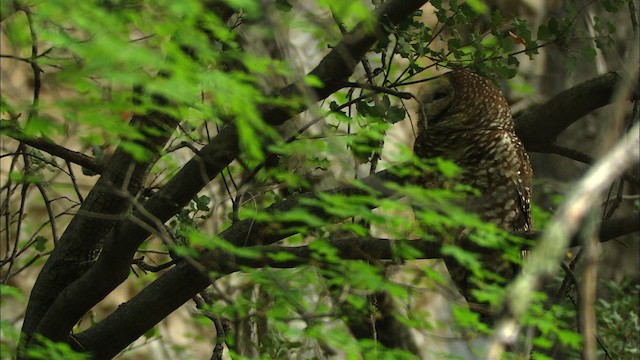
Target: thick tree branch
<point>551,148</point>
<point>545,123</point>
<point>383,249</point>
<point>73,253</point>
<point>171,290</point>
<point>50,309</point>
<point>115,259</point>
<point>244,233</point>
<point>163,206</point>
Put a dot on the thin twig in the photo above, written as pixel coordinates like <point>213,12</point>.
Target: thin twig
<point>10,129</point>
<point>23,198</point>
<point>37,76</point>
<point>74,182</point>
<point>587,302</point>
<point>380,89</point>
<point>154,269</point>
<point>552,148</point>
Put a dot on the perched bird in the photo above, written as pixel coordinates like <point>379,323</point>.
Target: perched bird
<point>465,118</point>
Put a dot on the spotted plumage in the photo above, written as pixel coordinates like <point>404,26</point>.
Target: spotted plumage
<point>465,118</point>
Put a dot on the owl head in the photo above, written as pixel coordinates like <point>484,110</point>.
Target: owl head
<point>462,100</point>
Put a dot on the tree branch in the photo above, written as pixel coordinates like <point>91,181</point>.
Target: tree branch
<point>163,205</point>
<point>73,252</point>
<point>120,247</point>
<point>8,128</point>
<point>50,310</point>
<point>370,248</point>
<point>171,290</point>
<point>545,123</point>
<point>551,148</point>
<point>244,233</point>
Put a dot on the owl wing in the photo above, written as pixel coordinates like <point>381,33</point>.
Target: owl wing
<point>523,188</point>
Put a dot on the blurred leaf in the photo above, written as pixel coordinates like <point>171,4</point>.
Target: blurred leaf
<point>570,338</point>
<point>281,256</point>
<point>448,168</point>
<point>313,81</point>
<point>41,243</point>
<point>9,291</point>
<point>589,53</point>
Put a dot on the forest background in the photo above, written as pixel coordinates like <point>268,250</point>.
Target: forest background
<point>205,179</point>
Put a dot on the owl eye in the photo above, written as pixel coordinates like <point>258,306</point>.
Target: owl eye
<point>439,95</point>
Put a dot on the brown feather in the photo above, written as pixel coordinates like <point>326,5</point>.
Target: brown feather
<point>468,121</point>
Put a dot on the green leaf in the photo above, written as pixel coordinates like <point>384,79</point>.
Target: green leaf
<point>323,251</point>
<point>478,6</point>
<point>202,202</point>
<point>543,32</point>
<point>542,342</point>
<point>250,7</point>
<point>589,53</point>
<point>468,319</point>
<point>313,81</point>
<point>185,251</point>
<point>333,106</point>
<point>448,168</point>
<point>152,333</point>
<point>609,6</point>
<point>284,5</point>
<point>570,338</point>
<point>139,152</point>
<point>537,355</point>
<point>395,114</point>
<point>404,250</point>
<point>465,258</point>
<point>301,215</point>
<point>554,26</point>
<point>8,291</point>
<point>434,275</point>
<point>41,243</point>
<point>51,350</point>
<point>281,256</point>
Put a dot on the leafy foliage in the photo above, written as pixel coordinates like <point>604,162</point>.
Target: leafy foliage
<point>618,320</point>
<point>216,65</point>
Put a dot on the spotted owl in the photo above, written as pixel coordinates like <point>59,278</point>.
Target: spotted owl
<point>466,119</point>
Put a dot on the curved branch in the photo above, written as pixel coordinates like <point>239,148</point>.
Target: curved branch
<point>545,123</point>
<point>244,233</point>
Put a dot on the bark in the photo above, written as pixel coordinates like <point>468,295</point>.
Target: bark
<point>545,123</point>
<point>65,290</point>
<point>250,233</point>
<point>70,302</point>
<point>76,250</point>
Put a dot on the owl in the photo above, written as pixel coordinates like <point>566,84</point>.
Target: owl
<point>465,118</point>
